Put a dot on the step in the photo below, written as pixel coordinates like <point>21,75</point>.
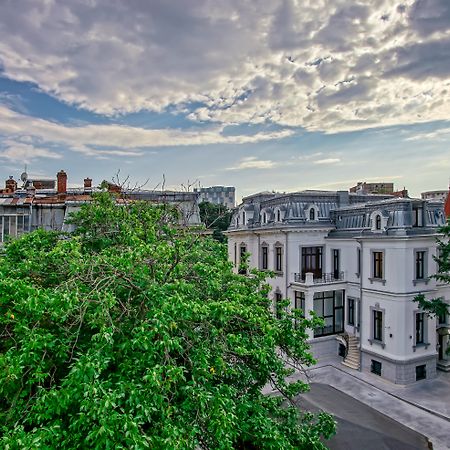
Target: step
<point>351,365</point>
<point>352,360</point>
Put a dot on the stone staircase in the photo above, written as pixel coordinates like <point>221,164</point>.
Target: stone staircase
<point>353,358</point>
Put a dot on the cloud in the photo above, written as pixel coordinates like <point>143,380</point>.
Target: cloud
<point>25,153</point>
<point>326,65</point>
<point>438,135</point>
<point>113,140</point>
<point>327,161</point>
<point>252,162</point>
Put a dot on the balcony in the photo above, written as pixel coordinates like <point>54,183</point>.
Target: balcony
<point>309,278</point>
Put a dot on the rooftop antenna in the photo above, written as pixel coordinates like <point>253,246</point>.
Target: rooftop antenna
<point>24,176</point>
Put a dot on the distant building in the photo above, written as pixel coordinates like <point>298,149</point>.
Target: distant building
<point>221,195</point>
<point>28,208</point>
<point>372,188</point>
<point>363,188</point>
<point>434,195</point>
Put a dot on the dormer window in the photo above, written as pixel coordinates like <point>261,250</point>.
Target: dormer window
<point>264,217</point>
<point>243,217</point>
<point>378,222</point>
<point>312,214</point>
<point>278,215</point>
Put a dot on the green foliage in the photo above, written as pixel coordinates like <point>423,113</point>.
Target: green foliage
<point>215,217</point>
<point>436,306</point>
<point>134,333</point>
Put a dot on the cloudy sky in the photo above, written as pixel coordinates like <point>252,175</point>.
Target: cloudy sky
<point>260,94</point>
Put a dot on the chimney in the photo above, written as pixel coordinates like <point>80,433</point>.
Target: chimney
<point>88,183</point>
<point>11,184</point>
<point>62,182</point>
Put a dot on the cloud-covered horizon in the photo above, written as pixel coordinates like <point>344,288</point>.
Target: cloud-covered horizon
<point>223,72</point>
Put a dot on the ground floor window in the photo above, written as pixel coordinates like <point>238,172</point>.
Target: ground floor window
<point>377,325</point>
<point>375,367</point>
<point>329,306</point>
<point>420,327</point>
<point>351,311</point>
<point>421,372</point>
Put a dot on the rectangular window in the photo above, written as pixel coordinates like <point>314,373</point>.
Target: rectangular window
<point>421,372</point>
<point>378,265</point>
<point>375,367</point>
<point>26,224</point>
<point>264,257</point>
<point>235,254</point>
<point>329,306</point>
<point>378,325</point>
<point>351,311</point>
<point>278,307</point>
<point>420,265</point>
<point>299,303</point>
<point>312,261</point>
<point>336,263</point>
<point>5,227</point>
<point>242,252</point>
<point>420,328</point>
<point>278,259</point>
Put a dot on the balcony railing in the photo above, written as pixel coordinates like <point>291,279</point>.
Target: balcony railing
<point>309,278</point>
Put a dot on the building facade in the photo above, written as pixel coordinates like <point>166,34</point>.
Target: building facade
<point>357,261</point>
<point>26,209</point>
<point>221,195</point>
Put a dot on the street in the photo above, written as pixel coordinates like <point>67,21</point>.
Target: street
<point>359,426</point>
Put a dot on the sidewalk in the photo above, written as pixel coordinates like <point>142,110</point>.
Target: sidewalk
<point>423,406</point>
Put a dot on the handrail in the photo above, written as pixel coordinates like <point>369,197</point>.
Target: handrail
<point>329,277</point>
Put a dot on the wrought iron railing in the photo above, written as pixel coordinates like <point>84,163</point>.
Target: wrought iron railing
<point>324,278</point>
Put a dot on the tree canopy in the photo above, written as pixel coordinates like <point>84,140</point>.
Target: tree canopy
<point>135,333</point>
<point>215,217</point>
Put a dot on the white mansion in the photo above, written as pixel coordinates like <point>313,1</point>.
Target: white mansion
<point>357,261</point>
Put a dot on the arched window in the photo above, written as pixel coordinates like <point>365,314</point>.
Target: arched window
<point>312,214</point>
<point>278,215</point>
<point>243,217</point>
<point>264,217</point>
<point>378,222</point>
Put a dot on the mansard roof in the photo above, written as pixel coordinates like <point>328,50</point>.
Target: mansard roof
<point>341,210</point>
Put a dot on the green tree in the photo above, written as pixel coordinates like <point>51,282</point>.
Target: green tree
<point>436,307</point>
<point>215,217</point>
<point>134,333</point>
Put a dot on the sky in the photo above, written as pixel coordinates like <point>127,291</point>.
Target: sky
<point>262,95</point>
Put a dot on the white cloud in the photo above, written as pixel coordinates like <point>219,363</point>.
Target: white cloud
<point>113,140</point>
<point>327,161</point>
<point>25,153</point>
<point>252,162</point>
<point>328,65</point>
<point>441,134</point>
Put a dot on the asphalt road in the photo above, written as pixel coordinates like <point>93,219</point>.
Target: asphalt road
<point>359,426</point>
